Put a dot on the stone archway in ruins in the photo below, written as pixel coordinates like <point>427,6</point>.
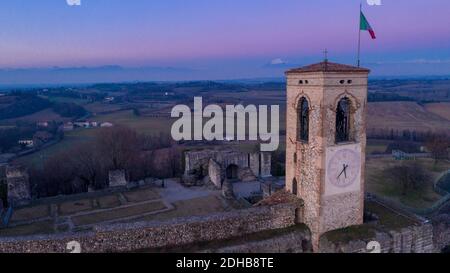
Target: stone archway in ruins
<point>232,172</point>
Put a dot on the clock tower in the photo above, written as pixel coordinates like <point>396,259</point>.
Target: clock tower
<point>325,145</point>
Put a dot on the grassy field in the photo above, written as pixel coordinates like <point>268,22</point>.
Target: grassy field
<point>378,182</point>
<point>67,100</point>
<point>36,212</point>
<point>441,109</point>
<point>193,207</point>
<point>376,146</point>
<point>45,227</point>
<point>109,215</point>
<point>71,138</point>
<point>142,124</point>
<point>43,115</point>
<point>100,107</point>
<point>405,116</point>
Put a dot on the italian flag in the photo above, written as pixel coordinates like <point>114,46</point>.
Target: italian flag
<point>364,25</point>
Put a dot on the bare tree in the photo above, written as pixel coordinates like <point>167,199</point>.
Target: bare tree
<point>119,146</point>
<point>438,146</point>
<point>88,166</point>
<point>410,175</point>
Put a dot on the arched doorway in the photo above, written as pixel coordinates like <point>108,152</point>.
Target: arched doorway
<point>232,172</point>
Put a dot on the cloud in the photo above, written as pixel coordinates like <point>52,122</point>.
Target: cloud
<point>278,61</point>
<point>374,2</point>
<point>73,2</point>
<point>416,61</point>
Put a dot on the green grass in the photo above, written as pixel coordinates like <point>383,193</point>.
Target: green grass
<point>353,233</point>
<point>387,218</point>
<point>44,227</point>
<point>72,138</point>
<point>379,182</point>
<point>118,213</point>
<point>193,207</point>
<point>72,207</point>
<point>29,213</point>
<point>109,201</point>
<point>142,124</point>
<point>67,100</point>
<point>141,195</point>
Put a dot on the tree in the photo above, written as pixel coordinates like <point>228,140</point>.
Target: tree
<point>438,146</point>
<point>88,166</point>
<point>409,176</point>
<point>119,146</point>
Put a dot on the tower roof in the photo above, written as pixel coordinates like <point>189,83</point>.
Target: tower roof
<point>328,67</point>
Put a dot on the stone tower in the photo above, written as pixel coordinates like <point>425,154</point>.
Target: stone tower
<point>325,145</point>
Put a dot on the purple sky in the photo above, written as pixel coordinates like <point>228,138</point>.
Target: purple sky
<point>224,38</point>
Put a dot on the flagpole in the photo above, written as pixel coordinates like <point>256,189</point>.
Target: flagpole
<point>359,36</point>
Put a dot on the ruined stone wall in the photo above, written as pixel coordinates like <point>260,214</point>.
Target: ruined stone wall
<point>117,178</point>
<point>254,163</point>
<point>413,239</point>
<point>215,173</point>
<point>19,191</point>
<point>195,159</point>
<point>266,163</point>
<point>441,230</point>
<point>213,163</point>
<point>149,235</point>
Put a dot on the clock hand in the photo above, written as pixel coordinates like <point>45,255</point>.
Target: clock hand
<point>345,170</point>
<point>341,173</point>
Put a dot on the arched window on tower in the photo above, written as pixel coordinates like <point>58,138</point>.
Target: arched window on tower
<point>343,120</point>
<point>303,120</point>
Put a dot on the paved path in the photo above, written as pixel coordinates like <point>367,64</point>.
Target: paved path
<point>245,189</point>
<point>174,191</point>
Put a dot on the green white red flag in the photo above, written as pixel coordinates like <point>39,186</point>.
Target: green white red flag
<point>364,25</point>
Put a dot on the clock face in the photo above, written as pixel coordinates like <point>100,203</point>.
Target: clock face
<point>343,168</point>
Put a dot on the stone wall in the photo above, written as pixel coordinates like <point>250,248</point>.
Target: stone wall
<point>254,163</point>
<point>215,173</point>
<point>150,235</point>
<point>213,163</point>
<point>441,230</point>
<point>296,241</point>
<point>19,191</point>
<point>266,163</point>
<point>117,178</point>
<point>195,159</point>
<point>413,239</point>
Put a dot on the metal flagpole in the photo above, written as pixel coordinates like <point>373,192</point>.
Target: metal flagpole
<point>359,36</point>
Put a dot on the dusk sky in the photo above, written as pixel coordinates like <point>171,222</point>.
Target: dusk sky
<point>223,39</point>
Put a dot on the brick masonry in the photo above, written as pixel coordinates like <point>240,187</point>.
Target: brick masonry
<point>181,232</point>
<point>305,161</point>
<point>413,239</point>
